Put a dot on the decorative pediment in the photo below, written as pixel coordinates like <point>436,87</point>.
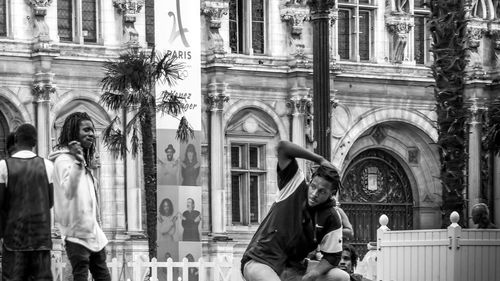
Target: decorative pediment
<point>251,124</point>
<point>98,115</point>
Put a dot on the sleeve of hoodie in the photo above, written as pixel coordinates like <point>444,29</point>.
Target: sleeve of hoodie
<point>67,174</point>
<point>331,245</point>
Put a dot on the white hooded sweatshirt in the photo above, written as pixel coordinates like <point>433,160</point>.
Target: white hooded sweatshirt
<point>75,202</point>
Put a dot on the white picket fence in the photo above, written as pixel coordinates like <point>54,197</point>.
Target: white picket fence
<point>223,269</point>
<point>452,254</point>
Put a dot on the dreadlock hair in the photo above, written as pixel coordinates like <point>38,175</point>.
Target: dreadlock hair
<point>329,174</point>
<point>71,131</point>
<point>354,254</point>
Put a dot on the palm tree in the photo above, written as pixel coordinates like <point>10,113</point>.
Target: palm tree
<point>129,88</point>
<point>447,26</point>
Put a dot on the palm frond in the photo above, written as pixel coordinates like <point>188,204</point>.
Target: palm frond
<point>112,100</point>
<point>171,103</point>
<point>167,69</point>
<point>114,139</point>
<point>184,131</point>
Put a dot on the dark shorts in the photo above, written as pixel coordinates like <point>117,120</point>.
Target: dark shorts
<point>26,265</point>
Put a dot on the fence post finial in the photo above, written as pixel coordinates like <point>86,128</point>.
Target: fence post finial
<point>383,220</point>
<point>454,218</point>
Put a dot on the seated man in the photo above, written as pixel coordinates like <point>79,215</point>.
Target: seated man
<point>481,216</point>
<point>302,218</point>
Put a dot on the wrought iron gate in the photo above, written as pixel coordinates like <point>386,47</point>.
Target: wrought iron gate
<point>375,184</point>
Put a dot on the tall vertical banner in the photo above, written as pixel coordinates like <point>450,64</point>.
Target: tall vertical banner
<point>177,31</point>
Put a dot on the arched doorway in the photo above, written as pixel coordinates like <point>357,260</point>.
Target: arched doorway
<point>375,183</point>
<point>4,131</point>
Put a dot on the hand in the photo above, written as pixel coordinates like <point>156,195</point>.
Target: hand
<point>326,163</point>
<point>75,149</point>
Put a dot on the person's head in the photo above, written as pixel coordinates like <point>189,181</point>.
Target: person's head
<point>190,204</point>
<point>25,137</point>
<point>324,184</point>
<point>480,214</point>
<point>170,151</point>
<point>166,207</point>
<point>190,155</point>
<point>79,127</point>
<point>10,143</point>
<point>190,258</point>
<point>349,258</point>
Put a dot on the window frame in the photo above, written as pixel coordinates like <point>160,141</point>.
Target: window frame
<point>77,36</point>
<point>354,9</point>
<point>8,19</point>
<point>244,173</point>
<point>244,44</point>
<point>424,13</point>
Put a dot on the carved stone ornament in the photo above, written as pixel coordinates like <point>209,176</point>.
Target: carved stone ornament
<point>217,96</point>
<point>495,36</point>
<point>40,3</point>
<point>474,36</point>
<point>128,8</point>
<point>399,27</point>
<point>320,6</point>
<point>300,105</point>
<point>334,16</point>
<point>42,91</point>
<point>214,10</point>
<point>294,14</point>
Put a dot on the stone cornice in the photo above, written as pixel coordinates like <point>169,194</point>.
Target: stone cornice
<point>39,3</point>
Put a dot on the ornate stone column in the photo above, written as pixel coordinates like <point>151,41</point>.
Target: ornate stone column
<point>213,10</point>
<point>40,27</point>
<point>216,98</point>
<point>295,14</point>
<point>41,94</point>
<point>129,10</point>
<point>320,17</point>
<point>474,164</point>
<point>300,107</point>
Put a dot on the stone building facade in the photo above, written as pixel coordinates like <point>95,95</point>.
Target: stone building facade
<point>257,87</point>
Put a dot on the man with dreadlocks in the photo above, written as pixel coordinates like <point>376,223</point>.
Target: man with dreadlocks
<point>77,212</point>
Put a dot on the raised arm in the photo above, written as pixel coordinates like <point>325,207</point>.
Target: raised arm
<point>288,150</point>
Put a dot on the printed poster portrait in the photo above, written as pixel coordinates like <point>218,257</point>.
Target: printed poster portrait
<point>168,230</point>
<point>189,210</point>
<point>190,161</point>
<point>168,160</point>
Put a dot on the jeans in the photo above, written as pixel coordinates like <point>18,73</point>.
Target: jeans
<point>26,265</point>
<point>82,260</point>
